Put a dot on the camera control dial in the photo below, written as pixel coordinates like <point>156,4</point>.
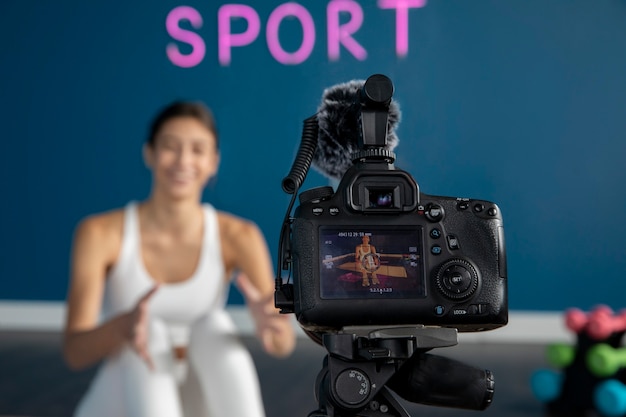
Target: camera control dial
<point>316,194</point>
<point>457,279</point>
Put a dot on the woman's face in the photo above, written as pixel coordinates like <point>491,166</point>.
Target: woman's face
<point>183,157</point>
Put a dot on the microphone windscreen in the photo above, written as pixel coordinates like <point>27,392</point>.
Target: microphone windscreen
<point>339,126</point>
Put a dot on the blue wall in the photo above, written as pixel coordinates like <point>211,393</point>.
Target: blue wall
<point>521,102</point>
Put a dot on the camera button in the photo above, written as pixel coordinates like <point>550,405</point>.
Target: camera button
<point>478,207</point>
<point>492,212</point>
<point>453,242</point>
<point>457,279</point>
<point>434,212</point>
<point>435,250</point>
<point>333,211</point>
<point>435,233</point>
<point>317,210</point>
<point>440,310</point>
<point>463,205</point>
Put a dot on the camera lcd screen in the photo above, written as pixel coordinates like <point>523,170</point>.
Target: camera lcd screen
<point>371,262</point>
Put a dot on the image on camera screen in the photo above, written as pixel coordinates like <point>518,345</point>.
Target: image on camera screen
<point>363,263</point>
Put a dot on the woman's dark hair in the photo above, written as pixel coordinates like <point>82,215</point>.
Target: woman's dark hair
<point>195,109</point>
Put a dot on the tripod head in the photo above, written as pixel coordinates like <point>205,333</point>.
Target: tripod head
<point>365,364</point>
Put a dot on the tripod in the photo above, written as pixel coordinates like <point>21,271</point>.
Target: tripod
<point>365,364</point>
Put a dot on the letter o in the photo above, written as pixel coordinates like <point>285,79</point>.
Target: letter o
<point>308,33</point>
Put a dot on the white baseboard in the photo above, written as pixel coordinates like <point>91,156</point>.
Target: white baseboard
<point>523,327</point>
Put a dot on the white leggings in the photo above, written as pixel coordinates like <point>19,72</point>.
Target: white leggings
<point>220,381</point>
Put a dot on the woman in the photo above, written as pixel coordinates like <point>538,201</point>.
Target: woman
<point>366,261</point>
<point>148,289</point>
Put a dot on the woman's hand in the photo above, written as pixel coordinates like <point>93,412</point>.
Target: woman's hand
<point>274,330</point>
<point>136,326</point>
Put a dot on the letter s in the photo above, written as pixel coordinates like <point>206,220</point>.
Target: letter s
<point>175,31</point>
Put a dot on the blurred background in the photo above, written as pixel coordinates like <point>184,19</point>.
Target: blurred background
<point>520,102</point>
<point>517,102</point>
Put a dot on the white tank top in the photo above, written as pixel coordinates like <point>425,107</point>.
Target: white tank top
<point>363,253</point>
<point>177,304</point>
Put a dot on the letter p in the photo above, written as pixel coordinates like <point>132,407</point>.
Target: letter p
<point>226,39</point>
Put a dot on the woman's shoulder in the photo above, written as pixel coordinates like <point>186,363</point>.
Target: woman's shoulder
<point>233,227</point>
<point>242,242</point>
<point>98,236</point>
<point>102,225</point>
<point>238,232</point>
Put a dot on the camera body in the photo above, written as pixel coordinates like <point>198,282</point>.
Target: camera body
<point>379,252</point>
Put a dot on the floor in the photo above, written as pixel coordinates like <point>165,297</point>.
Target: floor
<point>34,381</point>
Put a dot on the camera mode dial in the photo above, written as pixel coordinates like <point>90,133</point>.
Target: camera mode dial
<point>457,279</point>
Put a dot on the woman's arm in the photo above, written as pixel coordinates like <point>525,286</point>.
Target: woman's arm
<point>86,342</point>
<point>256,283</point>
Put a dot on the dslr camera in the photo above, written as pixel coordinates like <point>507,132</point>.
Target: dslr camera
<point>377,251</point>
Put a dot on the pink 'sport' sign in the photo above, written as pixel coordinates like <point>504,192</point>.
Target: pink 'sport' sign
<point>344,18</point>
